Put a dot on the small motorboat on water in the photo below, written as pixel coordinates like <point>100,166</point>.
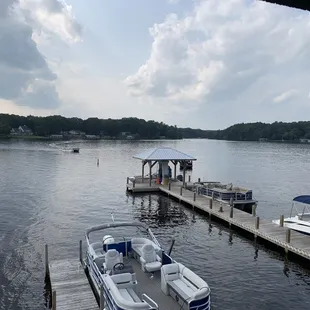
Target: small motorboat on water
<point>301,220</point>
<point>75,150</point>
<point>136,273</point>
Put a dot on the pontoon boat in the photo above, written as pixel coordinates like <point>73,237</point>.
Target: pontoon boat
<point>136,273</point>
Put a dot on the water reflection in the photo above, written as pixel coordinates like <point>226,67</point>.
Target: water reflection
<point>158,211</point>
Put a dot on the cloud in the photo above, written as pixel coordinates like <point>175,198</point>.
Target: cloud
<point>226,52</point>
<point>285,96</point>
<point>52,17</point>
<point>25,77</point>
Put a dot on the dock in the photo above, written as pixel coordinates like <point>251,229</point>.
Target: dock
<point>282,238</point>
<point>70,287</point>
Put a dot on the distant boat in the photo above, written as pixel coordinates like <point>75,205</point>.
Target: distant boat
<point>301,221</point>
<point>75,150</point>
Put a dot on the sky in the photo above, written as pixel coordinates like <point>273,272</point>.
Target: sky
<point>198,63</point>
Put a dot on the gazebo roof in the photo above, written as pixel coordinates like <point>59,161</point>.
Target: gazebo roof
<point>163,153</point>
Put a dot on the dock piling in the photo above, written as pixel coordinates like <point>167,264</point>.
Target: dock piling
<point>210,203</point>
<point>254,210</point>
<point>101,298</point>
<point>189,179</point>
<point>54,300</point>
<point>127,180</point>
<point>169,186</point>
<point>181,189</point>
<point>221,208</point>
<point>81,253</point>
<point>281,220</point>
<point>198,180</point>
<point>133,183</point>
<point>47,271</point>
<point>257,223</point>
<point>194,197</point>
<point>288,236</point>
<point>212,195</point>
<point>231,212</point>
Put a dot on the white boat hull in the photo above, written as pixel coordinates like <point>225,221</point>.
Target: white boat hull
<point>295,224</point>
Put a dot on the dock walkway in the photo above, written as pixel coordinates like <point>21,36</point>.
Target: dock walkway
<point>69,281</point>
<point>287,239</point>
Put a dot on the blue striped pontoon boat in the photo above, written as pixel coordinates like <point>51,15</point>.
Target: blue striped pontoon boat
<point>136,273</point>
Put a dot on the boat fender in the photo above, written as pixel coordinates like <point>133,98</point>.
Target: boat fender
<point>108,239</point>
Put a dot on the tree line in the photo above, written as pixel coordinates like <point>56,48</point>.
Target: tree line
<point>142,129</point>
<point>139,128</point>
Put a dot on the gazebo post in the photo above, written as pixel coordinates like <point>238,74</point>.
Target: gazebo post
<point>150,173</point>
<point>175,170</point>
<point>143,163</point>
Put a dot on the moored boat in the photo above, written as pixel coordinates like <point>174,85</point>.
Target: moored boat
<point>136,273</point>
<point>75,150</point>
<point>300,221</point>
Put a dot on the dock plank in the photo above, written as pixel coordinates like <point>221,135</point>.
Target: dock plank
<point>70,282</point>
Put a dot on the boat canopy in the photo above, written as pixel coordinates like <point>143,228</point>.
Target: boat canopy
<point>303,199</point>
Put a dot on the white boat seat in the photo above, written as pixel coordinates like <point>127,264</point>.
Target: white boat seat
<point>150,261</point>
<point>129,294</point>
<point>112,257</point>
<point>178,280</point>
<point>138,243</point>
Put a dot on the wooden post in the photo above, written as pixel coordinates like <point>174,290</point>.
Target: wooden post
<point>210,203</point>
<point>54,300</point>
<point>101,298</point>
<point>198,180</point>
<point>189,179</point>
<point>281,220</point>
<point>194,196</point>
<point>143,171</point>
<point>127,180</point>
<point>221,208</point>
<point>169,186</point>
<point>175,170</point>
<point>150,173</point>
<point>231,212</point>
<point>47,270</point>
<point>231,202</point>
<point>81,254</point>
<point>288,236</point>
<point>184,170</point>
<point>254,210</point>
<point>257,223</point>
<point>212,195</point>
<point>134,183</point>
<point>181,189</point>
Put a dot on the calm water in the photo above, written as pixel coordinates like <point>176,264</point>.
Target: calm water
<point>51,196</point>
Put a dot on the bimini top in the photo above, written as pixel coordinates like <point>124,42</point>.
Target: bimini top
<point>303,199</point>
<point>163,153</point>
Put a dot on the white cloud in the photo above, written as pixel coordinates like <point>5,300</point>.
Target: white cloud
<point>228,51</point>
<point>286,96</point>
<point>52,17</point>
<point>25,76</point>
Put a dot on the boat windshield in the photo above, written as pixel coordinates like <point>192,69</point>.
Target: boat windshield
<point>301,206</point>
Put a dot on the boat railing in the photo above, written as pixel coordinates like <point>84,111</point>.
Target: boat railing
<point>149,301</point>
<point>217,193</point>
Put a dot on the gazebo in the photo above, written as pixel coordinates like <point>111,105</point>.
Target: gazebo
<point>162,156</point>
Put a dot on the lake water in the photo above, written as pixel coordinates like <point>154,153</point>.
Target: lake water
<point>48,195</point>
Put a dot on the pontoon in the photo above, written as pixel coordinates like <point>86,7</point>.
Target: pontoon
<point>136,273</point>
<point>301,221</point>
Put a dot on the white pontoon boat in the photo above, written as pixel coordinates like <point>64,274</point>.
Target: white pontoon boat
<point>136,273</point>
<point>301,221</point>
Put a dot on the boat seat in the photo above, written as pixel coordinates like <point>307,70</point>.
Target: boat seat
<point>150,261</point>
<point>138,243</point>
<point>129,294</point>
<point>177,280</point>
<point>112,257</point>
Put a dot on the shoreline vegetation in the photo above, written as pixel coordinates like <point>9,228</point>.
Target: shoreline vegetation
<point>62,128</point>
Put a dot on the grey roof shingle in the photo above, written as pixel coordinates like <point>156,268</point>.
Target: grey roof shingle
<point>163,153</point>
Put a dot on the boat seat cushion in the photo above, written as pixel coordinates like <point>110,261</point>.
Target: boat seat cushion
<point>123,280</point>
<point>129,294</point>
<point>181,289</point>
<point>138,243</point>
<point>149,260</point>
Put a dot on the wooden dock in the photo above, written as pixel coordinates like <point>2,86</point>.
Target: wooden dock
<point>70,286</point>
<point>283,238</point>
